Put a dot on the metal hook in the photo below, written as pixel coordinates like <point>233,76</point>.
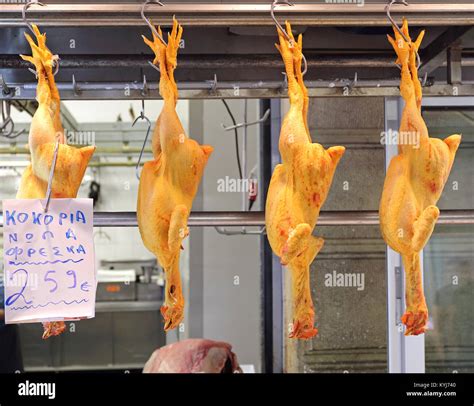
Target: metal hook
<point>148,22</point>
<point>142,117</point>
<point>8,121</point>
<point>28,24</point>
<point>260,120</point>
<point>424,80</point>
<point>286,3</point>
<point>23,13</point>
<point>4,87</point>
<point>394,24</point>
<point>353,82</point>
<point>284,85</point>
<point>51,175</point>
<point>213,85</point>
<point>10,134</point>
<point>144,91</point>
<point>75,86</point>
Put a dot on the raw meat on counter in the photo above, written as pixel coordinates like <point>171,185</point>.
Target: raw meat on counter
<point>169,183</point>
<point>192,356</point>
<point>298,188</point>
<point>414,182</point>
<point>45,130</point>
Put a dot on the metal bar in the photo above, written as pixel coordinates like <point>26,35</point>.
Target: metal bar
<point>128,306</point>
<point>93,164</point>
<point>454,65</point>
<point>453,101</point>
<point>257,218</point>
<point>189,61</point>
<point>126,149</point>
<point>259,90</point>
<point>237,14</point>
<point>278,285</point>
<point>265,169</point>
<point>383,60</point>
<point>393,107</point>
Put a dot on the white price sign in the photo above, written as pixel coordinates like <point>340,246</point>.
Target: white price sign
<point>49,260</point>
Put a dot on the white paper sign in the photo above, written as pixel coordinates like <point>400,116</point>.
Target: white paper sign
<point>49,260</point>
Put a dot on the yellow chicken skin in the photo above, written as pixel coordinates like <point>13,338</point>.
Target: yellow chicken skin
<point>45,130</point>
<point>169,183</point>
<point>414,182</point>
<point>298,188</point>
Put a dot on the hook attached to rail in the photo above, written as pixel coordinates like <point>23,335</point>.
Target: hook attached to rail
<point>399,30</point>
<point>272,8</point>
<point>28,24</point>
<point>148,22</point>
<point>142,117</point>
<point>7,121</point>
<point>152,27</point>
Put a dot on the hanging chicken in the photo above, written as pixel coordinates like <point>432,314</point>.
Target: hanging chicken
<point>45,130</point>
<point>169,183</point>
<point>298,188</point>
<point>414,182</point>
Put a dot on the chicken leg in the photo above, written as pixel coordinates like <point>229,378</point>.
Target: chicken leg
<point>298,188</point>
<point>169,183</point>
<point>413,184</point>
<point>45,130</point>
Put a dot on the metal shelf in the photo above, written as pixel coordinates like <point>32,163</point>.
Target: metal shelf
<point>233,14</point>
<point>257,218</point>
<point>127,306</point>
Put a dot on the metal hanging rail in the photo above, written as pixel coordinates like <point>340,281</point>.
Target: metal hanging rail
<point>328,14</point>
<point>381,60</point>
<point>257,218</point>
<point>227,90</point>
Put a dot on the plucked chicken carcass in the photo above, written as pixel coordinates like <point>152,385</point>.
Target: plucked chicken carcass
<point>45,130</point>
<point>298,188</point>
<point>193,356</point>
<point>169,183</point>
<point>414,182</point>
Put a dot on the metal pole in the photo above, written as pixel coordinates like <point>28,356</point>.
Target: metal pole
<point>260,89</point>
<point>233,14</point>
<point>266,255</point>
<point>257,218</point>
